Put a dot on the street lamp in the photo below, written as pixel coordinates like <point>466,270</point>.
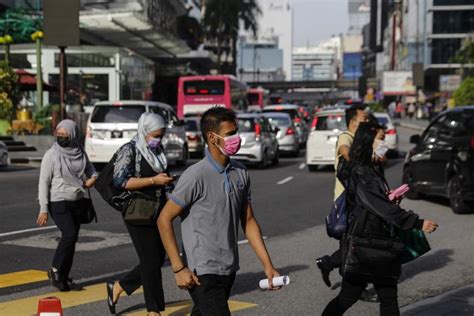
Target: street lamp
<point>6,40</point>
<point>37,37</point>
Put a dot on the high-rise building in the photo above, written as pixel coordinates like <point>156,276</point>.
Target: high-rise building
<point>359,16</point>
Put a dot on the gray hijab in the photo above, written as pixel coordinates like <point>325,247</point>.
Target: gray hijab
<point>150,122</point>
<point>71,161</point>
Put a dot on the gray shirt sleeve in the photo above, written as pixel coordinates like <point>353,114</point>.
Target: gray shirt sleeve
<point>44,185</point>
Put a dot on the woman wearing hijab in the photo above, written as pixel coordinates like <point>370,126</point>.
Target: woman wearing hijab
<point>141,166</point>
<point>66,173</point>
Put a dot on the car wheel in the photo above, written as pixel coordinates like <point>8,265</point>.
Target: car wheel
<point>456,201</point>
<point>183,162</point>
<point>313,168</point>
<point>409,179</point>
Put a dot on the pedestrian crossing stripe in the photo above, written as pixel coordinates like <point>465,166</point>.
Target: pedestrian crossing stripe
<point>91,294</point>
<point>22,277</point>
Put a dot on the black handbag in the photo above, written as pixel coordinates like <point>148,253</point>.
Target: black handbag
<point>88,214</point>
<point>142,209</point>
<point>369,256</point>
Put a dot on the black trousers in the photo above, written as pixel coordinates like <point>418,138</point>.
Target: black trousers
<point>336,259</point>
<point>151,253</point>
<point>66,215</point>
<point>350,293</point>
<point>210,298</point>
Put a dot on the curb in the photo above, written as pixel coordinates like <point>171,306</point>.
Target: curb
<point>26,160</point>
<point>412,126</point>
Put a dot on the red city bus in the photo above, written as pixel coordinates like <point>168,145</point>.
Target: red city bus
<point>257,96</point>
<point>196,94</point>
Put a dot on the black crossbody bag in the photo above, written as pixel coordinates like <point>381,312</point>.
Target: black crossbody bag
<point>88,214</point>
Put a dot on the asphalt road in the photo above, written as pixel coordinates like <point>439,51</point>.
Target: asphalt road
<point>290,204</point>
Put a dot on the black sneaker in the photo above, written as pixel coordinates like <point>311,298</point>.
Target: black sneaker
<point>325,267</point>
<point>57,280</point>
<point>74,286</point>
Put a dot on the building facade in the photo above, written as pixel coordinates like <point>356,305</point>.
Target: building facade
<point>317,63</point>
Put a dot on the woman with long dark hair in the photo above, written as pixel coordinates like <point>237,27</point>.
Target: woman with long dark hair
<point>367,193</point>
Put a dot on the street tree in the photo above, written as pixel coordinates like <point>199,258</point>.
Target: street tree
<point>465,57</point>
<point>221,23</point>
<point>464,95</point>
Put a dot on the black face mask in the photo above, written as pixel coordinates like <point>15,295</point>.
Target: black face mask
<point>63,141</point>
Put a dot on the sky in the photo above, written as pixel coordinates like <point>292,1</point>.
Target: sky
<point>317,20</point>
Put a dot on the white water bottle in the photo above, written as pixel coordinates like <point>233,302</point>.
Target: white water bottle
<point>277,281</point>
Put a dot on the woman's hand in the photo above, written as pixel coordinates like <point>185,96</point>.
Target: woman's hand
<point>42,219</point>
<point>271,273</point>
<point>162,179</point>
<point>429,226</point>
<point>90,182</point>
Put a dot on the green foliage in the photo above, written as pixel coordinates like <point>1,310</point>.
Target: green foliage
<point>377,106</point>
<point>9,91</point>
<point>20,24</point>
<point>464,95</point>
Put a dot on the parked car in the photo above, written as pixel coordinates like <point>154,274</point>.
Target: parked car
<point>113,124</point>
<point>442,163</point>
<point>4,158</point>
<point>259,142</point>
<point>296,116</point>
<point>391,136</point>
<point>321,145</point>
<point>196,142</point>
<point>288,141</point>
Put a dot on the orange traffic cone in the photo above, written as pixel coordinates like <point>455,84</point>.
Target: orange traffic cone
<point>50,306</point>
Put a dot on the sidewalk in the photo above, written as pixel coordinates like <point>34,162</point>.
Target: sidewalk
<point>459,302</point>
<point>414,124</point>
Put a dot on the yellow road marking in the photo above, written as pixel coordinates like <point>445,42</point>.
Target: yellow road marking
<point>184,308</point>
<point>29,305</point>
<point>22,277</point>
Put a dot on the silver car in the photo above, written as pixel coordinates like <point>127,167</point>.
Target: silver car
<point>4,160</point>
<point>193,133</point>
<point>288,141</point>
<point>113,124</point>
<point>296,116</point>
<point>259,142</point>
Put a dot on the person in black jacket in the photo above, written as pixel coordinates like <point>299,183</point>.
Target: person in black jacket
<point>367,191</point>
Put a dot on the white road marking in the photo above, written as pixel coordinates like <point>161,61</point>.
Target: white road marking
<point>285,180</point>
<point>27,231</point>
<point>245,241</point>
<point>302,166</point>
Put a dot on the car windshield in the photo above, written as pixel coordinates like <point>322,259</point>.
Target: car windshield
<point>191,126</point>
<point>252,98</point>
<point>279,121</point>
<point>246,125</point>
<point>383,120</point>
<point>331,122</point>
<point>204,87</point>
<point>293,113</point>
<point>117,114</point>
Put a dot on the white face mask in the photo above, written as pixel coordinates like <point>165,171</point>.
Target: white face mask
<point>380,148</point>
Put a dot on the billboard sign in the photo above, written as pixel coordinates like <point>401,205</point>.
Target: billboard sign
<point>449,83</point>
<point>352,65</point>
<point>398,83</point>
<point>61,22</point>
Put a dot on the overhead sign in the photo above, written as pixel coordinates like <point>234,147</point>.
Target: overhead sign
<point>449,83</point>
<point>61,22</point>
<point>398,83</point>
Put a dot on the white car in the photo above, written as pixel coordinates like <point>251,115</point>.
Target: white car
<point>296,116</point>
<point>391,136</point>
<point>321,144</point>
<point>113,124</point>
<point>4,159</point>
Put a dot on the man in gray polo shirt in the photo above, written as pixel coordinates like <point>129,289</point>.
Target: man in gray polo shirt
<point>212,197</point>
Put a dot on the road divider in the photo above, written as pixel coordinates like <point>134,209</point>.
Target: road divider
<point>22,277</point>
<point>302,166</point>
<point>285,180</point>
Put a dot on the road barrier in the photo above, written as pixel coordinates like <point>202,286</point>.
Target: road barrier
<point>50,306</point>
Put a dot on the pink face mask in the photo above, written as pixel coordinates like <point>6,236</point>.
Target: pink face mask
<point>231,144</point>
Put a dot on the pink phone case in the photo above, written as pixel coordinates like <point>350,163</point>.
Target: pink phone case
<point>398,192</point>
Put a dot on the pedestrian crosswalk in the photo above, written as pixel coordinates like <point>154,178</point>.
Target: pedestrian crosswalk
<point>90,294</point>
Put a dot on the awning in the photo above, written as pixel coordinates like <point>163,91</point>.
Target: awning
<point>131,30</point>
<point>27,81</point>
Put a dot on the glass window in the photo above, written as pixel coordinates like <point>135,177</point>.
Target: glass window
<point>444,49</point>
<point>246,125</point>
<point>161,112</point>
<point>204,87</point>
<point>279,121</point>
<point>17,60</point>
<point>87,60</point>
<point>431,135</point>
<point>452,2</point>
<point>191,125</point>
<point>453,21</point>
<point>117,114</point>
<point>293,113</point>
<point>252,98</point>
<point>382,120</point>
<point>331,122</point>
<point>83,89</point>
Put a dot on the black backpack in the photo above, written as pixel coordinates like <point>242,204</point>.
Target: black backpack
<point>117,198</point>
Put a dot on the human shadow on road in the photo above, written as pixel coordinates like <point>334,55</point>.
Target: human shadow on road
<point>430,262</point>
<point>457,303</point>
<point>248,282</point>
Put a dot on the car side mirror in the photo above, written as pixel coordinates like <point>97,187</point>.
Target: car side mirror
<point>415,139</point>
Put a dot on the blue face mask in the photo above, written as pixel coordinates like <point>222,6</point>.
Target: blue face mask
<point>154,143</point>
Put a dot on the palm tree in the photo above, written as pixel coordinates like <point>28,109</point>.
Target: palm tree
<point>221,23</point>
